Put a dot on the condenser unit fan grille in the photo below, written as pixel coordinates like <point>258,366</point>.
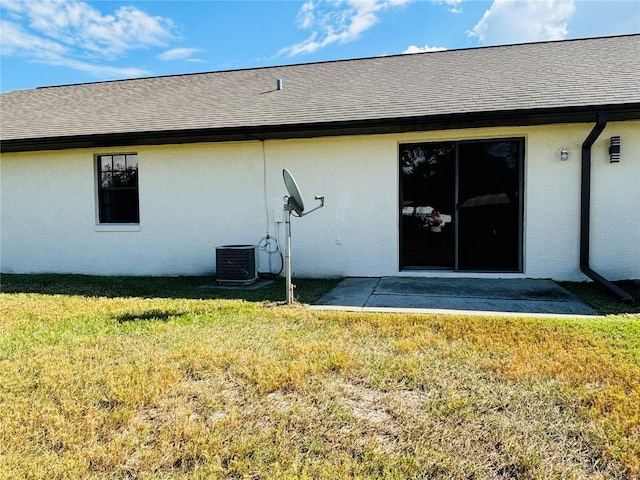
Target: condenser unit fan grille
<point>236,264</point>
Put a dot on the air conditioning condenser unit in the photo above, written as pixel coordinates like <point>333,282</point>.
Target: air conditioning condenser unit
<point>237,264</point>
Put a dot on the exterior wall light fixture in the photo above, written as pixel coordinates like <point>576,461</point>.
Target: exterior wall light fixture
<point>564,154</point>
<point>614,150</point>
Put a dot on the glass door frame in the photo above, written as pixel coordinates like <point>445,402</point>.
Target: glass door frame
<point>520,206</point>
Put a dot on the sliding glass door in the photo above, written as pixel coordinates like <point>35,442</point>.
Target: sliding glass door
<point>461,205</point>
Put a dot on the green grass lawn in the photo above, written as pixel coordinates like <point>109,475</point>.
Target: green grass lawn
<point>159,378</point>
<point>600,298</point>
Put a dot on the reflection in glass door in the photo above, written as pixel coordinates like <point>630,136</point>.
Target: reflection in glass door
<point>461,205</point>
<point>428,205</point>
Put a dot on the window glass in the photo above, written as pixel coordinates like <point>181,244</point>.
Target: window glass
<point>105,163</point>
<point>119,162</point>
<point>132,161</point>
<point>106,180</point>
<point>118,188</point>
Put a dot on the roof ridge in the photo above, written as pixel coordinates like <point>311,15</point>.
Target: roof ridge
<point>324,62</point>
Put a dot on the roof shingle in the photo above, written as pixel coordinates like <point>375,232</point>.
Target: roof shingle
<point>549,75</point>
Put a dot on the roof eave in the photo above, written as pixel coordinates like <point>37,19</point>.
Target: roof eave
<point>542,116</point>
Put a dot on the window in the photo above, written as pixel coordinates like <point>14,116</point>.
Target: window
<point>118,188</point>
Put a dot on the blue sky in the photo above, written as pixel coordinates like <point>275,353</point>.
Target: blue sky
<point>60,42</point>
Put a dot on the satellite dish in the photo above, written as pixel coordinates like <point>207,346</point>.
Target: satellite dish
<point>295,197</point>
<point>294,203</point>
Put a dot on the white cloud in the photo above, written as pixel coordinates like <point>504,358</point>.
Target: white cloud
<point>15,40</point>
<point>100,71</point>
<point>426,48</point>
<point>305,15</point>
<point>76,35</point>
<point>82,26</point>
<point>336,22</point>
<point>517,21</point>
<point>179,54</point>
<point>454,5</point>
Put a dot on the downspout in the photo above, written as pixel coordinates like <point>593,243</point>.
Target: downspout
<point>585,212</point>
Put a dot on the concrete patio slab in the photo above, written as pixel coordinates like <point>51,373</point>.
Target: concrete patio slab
<point>353,291</point>
<point>454,295</point>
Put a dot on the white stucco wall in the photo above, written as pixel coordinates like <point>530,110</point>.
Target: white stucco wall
<point>196,197</point>
<point>553,203</point>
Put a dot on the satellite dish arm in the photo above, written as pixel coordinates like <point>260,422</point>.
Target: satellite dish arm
<point>288,206</point>
<point>317,197</point>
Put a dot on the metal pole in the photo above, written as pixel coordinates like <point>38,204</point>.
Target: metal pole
<point>287,254</point>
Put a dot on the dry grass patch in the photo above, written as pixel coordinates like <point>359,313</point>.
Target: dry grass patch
<point>596,361</point>
<point>96,387</point>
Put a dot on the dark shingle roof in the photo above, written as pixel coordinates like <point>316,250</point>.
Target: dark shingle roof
<point>353,96</point>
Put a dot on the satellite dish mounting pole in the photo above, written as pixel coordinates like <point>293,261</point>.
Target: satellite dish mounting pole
<point>287,253</point>
<point>293,203</point>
